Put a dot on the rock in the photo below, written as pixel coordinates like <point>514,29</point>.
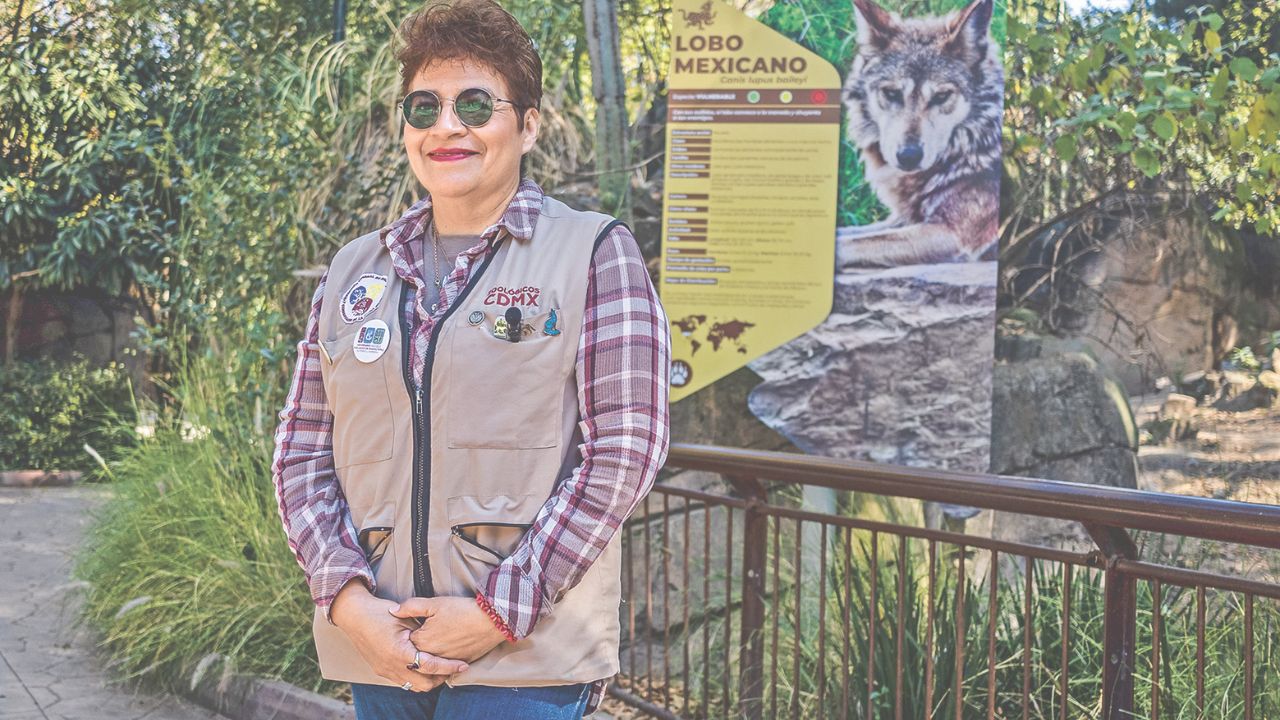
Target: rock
<point>1176,416</point>
<point>1269,379</point>
<point>1178,406</point>
<point>1061,418</point>
<point>1267,390</point>
<point>39,478</point>
<point>1243,391</point>
<point>899,372</point>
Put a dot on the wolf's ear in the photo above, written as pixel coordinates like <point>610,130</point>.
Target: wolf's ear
<point>968,30</point>
<point>875,25</point>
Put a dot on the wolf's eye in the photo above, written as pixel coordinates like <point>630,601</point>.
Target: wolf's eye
<point>940,98</point>
<point>891,95</point>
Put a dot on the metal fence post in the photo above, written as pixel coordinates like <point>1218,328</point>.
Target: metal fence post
<point>1120,622</point>
<point>755,534</point>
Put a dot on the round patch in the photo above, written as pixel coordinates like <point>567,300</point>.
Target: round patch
<point>372,340</point>
<point>363,297</point>
<point>476,317</point>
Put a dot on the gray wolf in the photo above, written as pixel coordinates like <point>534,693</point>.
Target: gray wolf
<point>924,101</point>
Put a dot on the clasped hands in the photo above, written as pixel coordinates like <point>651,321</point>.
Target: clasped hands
<point>449,631</point>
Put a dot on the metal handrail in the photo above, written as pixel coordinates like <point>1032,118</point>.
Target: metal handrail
<point>1204,518</point>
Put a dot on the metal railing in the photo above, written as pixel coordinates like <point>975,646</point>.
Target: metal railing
<point>749,603</point>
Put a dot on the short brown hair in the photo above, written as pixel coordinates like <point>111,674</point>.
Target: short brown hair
<point>477,30</point>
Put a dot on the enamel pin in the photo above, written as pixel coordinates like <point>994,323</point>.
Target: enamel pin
<point>549,327</point>
<point>500,329</point>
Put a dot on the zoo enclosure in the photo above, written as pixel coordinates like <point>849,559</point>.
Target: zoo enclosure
<point>727,612</point>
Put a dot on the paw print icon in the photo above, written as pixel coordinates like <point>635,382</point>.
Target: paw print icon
<point>680,373</point>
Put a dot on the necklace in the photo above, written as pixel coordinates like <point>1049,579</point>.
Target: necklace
<point>435,262</point>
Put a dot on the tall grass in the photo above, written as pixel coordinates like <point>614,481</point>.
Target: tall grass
<point>188,557</point>
<point>853,603</point>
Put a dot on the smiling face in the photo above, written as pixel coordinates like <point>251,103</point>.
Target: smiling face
<point>480,165</point>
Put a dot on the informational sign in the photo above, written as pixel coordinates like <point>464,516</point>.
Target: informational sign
<point>748,241</point>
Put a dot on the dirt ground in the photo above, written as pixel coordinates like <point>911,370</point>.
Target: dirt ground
<point>1233,455</point>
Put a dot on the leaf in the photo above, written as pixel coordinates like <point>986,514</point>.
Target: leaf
<point>1213,20</point>
<point>1244,193</point>
<point>1126,120</point>
<point>1212,41</point>
<point>1220,81</point>
<point>1065,146</point>
<point>1165,126</point>
<point>1146,161</point>
<point>1244,68</point>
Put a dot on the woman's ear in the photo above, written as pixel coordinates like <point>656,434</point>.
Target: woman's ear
<point>529,135</point>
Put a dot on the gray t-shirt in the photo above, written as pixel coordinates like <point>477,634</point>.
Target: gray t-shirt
<point>450,247</point>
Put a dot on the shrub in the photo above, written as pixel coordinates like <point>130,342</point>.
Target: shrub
<point>50,411</point>
<point>188,557</point>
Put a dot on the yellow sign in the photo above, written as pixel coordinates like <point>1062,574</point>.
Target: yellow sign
<point>748,239</point>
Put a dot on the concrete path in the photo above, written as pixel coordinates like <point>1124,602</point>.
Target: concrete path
<point>49,669</point>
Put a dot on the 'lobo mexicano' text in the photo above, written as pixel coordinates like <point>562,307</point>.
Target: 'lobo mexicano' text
<point>726,65</point>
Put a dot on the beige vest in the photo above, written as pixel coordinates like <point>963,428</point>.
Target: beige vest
<point>440,497</point>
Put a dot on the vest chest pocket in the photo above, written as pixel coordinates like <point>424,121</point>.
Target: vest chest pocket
<point>359,397</point>
<point>511,393</point>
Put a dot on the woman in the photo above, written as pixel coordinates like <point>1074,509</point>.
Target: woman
<point>479,402</point>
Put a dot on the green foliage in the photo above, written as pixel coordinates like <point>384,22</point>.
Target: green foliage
<point>1110,103</point>
<point>188,557</point>
<point>49,412</point>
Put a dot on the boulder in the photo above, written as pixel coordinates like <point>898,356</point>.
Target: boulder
<point>1062,418</point>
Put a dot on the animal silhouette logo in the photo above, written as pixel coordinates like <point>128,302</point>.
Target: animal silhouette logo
<point>700,19</point>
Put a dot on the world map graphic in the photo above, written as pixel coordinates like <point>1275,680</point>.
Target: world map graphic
<point>719,334</point>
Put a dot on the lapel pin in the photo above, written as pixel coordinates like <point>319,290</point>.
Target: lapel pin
<point>549,327</point>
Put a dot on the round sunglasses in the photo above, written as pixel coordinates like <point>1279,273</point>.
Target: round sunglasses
<point>474,107</point>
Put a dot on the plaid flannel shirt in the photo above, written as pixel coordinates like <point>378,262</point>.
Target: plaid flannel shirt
<point>622,366</point>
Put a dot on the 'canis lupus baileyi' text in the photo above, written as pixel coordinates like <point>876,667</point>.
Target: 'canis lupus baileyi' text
<point>924,99</point>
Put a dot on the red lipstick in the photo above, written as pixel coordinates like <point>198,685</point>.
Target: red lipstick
<point>450,154</point>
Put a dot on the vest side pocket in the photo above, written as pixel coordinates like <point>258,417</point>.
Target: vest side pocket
<point>359,397</point>
<point>484,531</point>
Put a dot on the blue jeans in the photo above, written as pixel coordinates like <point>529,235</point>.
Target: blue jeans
<point>470,702</point>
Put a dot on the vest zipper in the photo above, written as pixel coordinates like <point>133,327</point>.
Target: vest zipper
<point>422,584</point>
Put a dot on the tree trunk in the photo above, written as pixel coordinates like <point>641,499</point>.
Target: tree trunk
<point>608,88</point>
<point>11,324</point>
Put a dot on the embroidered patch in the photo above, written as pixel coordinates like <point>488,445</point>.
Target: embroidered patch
<point>526,296</point>
<point>363,297</point>
<point>371,341</point>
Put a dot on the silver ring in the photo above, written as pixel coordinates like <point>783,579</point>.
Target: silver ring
<point>407,686</point>
<point>415,664</point>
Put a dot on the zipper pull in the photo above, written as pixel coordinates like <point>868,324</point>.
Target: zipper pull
<point>417,401</point>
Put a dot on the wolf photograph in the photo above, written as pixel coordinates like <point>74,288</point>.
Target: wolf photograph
<point>924,107</point>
